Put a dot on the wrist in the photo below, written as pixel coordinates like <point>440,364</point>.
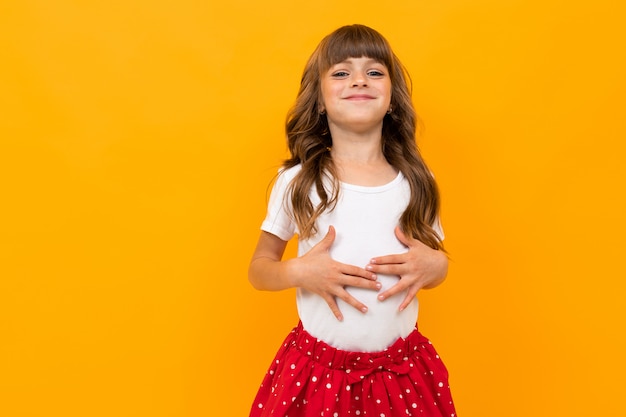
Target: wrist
<point>290,271</point>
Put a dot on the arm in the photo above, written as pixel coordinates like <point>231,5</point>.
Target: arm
<point>420,268</point>
<point>315,271</point>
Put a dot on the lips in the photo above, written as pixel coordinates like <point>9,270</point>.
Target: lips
<point>357,97</point>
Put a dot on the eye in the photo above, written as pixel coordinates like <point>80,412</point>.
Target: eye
<point>375,73</point>
<point>339,74</point>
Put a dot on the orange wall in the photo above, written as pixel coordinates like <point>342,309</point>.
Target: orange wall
<point>137,140</point>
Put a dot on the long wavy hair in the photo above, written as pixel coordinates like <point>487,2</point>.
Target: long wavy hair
<point>309,138</point>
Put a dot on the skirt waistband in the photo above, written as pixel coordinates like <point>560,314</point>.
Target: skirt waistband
<point>395,358</point>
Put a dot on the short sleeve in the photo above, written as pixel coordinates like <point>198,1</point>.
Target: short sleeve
<point>437,224</point>
<point>279,220</point>
<point>438,229</point>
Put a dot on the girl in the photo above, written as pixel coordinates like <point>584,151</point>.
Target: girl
<point>365,208</point>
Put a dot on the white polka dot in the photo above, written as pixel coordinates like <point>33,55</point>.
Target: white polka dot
<point>260,405</point>
<point>293,366</point>
<point>314,379</point>
<point>440,384</point>
<point>414,405</point>
<point>328,385</point>
<point>347,387</point>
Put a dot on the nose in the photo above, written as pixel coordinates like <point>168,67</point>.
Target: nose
<point>359,79</point>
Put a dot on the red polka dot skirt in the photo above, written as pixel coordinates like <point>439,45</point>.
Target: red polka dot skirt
<point>309,378</point>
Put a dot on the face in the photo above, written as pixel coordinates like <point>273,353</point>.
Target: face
<point>356,94</point>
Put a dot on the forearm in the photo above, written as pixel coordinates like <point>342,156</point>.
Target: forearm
<point>267,274</point>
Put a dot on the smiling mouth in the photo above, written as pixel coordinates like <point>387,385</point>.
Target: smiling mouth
<point>360,97</point>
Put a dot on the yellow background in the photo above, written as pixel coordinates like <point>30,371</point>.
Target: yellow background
<point>137,141</point>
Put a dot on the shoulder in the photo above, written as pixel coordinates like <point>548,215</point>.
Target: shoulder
<point>286,175</point>
<point>290,172</point>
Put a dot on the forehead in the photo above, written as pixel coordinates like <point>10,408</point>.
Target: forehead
<point>342,48</point>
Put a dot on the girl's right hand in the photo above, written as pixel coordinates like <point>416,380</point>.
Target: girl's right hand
<point>317,272</point>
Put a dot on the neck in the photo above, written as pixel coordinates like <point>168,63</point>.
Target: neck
<point>363,148</point>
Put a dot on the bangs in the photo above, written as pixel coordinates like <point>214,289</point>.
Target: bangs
<point>354,41</point>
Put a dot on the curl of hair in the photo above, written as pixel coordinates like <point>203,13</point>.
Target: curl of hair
<point>309,139</point>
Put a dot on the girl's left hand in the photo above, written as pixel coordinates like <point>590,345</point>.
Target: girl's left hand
<point>420,267</point>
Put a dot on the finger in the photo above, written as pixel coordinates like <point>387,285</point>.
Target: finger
<point>408,241</point>
<point>330,300</point>
<point>391,269</point>
<point>401,236</point>
<point>349,299</point>
<point>397,258</point>
<point>355,271</point>
<point>328,240</point>
<point>358,282</point>
<point>409,297</point>
<point>399,287</point>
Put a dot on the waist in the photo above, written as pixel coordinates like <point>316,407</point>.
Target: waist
<point>373,331</point>
<point>394,356</point>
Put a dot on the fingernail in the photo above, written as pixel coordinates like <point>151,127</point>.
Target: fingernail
<point>372,261</point>
<point>379,286</point>
<point>381,297</point>
<point>369,267</point>
<point>364,309</point>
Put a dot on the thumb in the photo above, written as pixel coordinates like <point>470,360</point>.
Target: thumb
<point>328,240</point>
<point>402,237</point>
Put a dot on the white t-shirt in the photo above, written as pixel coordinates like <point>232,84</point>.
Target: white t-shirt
<point>364,219</point>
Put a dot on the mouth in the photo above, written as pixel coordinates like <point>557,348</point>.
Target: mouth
<point>357,97</point>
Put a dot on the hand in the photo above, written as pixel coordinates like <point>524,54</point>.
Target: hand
<point>317,272</point>
<point>420,267</point>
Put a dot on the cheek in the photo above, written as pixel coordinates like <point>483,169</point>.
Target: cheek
<point>388,89</point>
<point>324,93</point>
<point>329,90</point>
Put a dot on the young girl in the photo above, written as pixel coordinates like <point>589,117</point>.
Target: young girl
<point>365,208</point>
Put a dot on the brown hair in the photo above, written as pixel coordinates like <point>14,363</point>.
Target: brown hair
<point>308,137</point>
